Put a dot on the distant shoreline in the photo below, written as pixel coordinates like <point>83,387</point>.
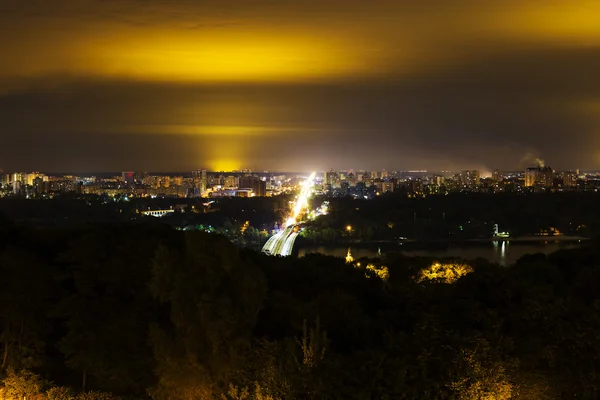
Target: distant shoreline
<point>558,238</point>
<point>411,242</point>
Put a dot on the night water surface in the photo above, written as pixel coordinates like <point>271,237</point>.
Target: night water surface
<point>502,252</point>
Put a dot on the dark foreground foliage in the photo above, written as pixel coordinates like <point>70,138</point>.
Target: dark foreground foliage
<point>141,311</point>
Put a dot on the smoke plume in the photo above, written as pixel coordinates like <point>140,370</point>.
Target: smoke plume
<point>530,159</point>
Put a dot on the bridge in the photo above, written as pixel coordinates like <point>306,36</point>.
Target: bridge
<point>282,243</point>
<point>157,213</point>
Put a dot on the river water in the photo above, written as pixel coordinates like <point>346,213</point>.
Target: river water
<point>501,252</point>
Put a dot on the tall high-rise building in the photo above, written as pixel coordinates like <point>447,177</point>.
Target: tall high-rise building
<point>531,176</point>
<point>414,186</point>
<point>254,183</point>
<point>569,178</point>
<point>336,181</point>
<point>38,185</point>
<point>436,180</point>
<point>497,176</point>
<point>17,177</point>
<point>29,178</point>
<point>259,188</point>
<point>178,180</point>
<point>165,182</point>
<point>199,179</point>
<point>247,181</point>
<point>231,181</point>
<point>344,186</point>
<point>351,179</point>
<point>128,178</point>
<point>469,178</point>
<point>332,179</point>
<point>17,187</point>
<point>543,176</point>
<point>140,176</point>
<point>547,176</point>
<point>387,187</point>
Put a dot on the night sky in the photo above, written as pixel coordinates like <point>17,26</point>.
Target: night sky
<point>174,85</point>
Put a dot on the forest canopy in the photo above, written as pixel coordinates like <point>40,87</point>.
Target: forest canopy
<point>140,310</point>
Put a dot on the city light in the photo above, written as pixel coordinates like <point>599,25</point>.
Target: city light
<point>349,257</point>
<point>302,199</point>
<point>446,272</point>
<point>282,243</point>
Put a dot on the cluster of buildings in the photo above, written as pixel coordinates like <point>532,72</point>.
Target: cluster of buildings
<point>36,183</point>
<point>358,184</point>
<point>198,183</point>
<point>367,184</point>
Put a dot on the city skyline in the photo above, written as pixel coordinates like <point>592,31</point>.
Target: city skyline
<point>170,85</point>
<point>358,184</point>
<point>486,173</point>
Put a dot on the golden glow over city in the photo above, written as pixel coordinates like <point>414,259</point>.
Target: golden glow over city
<point>216,130</point>
<point>276,41</point>
<point>566,22</point>
<point>223,152</point>
<point>175,55</point>
<point>222,57</point>
<point>273,69</point>
<point>224,164</point>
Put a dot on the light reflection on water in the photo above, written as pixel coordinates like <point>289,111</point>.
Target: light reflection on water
<point>501,252</point>
<point>504,244</point>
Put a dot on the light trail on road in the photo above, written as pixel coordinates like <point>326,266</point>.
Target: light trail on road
<point>282,243</point>
<point>302,199</point>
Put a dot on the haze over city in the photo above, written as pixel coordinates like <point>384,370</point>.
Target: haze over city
<point>298,86</point>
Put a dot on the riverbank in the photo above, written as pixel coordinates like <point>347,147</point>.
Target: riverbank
<point>558,238</point>
<point>448,241</point>
<point>501,252</point>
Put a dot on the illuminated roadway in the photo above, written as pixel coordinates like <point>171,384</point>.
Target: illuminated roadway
<point>282,243</point>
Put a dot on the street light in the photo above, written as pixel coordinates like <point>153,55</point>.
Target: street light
<point>349,228</point>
